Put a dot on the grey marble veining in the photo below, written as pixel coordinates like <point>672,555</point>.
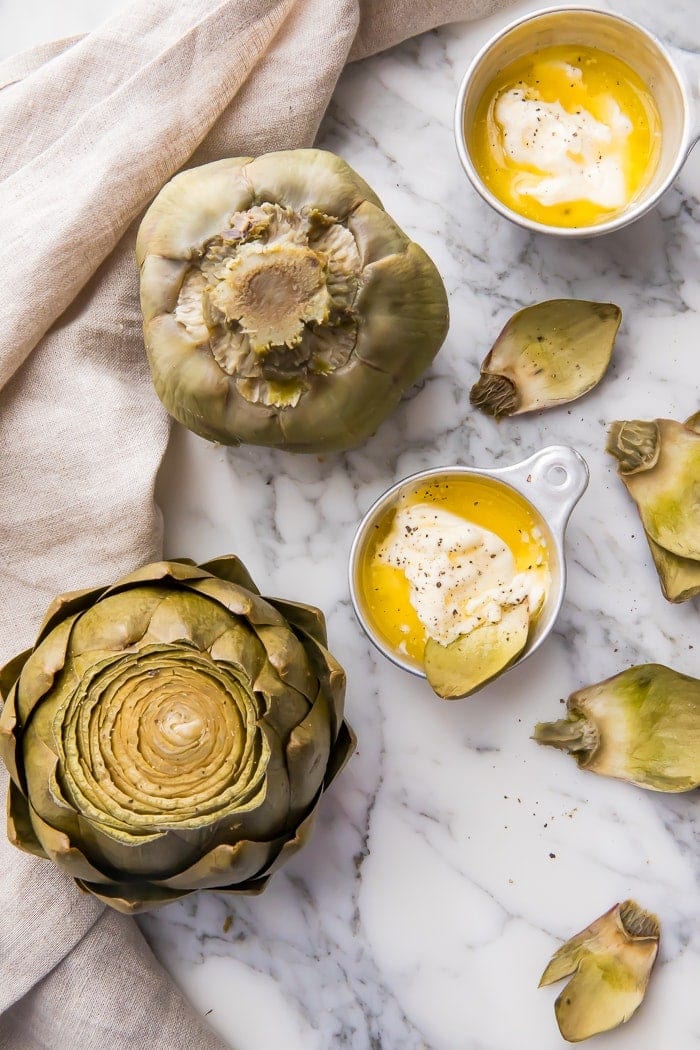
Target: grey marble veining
<point>453,854</point>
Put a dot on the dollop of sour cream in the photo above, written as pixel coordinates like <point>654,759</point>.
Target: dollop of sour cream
<point>460,575</point>
<point>577,157</point>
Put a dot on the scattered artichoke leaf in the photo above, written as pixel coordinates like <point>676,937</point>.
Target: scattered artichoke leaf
<point>642,725</point>
<point>611,961</point>
<point>547,354</point>
<point>470,661</point>
<point>659,463</point>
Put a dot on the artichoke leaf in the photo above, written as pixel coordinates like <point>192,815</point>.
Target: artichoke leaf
<point>642,725</point>
<point>222,866</point>
<point>309,178</point>
<point>306,618</point>
<point>611,961</point>
<point>679,577</point>
<point>666,484</point>
<point>471,660</point>
<point>20,831</point>
<point>10,673</point>
<point>231,568</point>
<point>547,354</point>
<point>131,898</point>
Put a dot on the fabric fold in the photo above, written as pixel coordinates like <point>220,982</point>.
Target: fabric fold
<point>92,128</point>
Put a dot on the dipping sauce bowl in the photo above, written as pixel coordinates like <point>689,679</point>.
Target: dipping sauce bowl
<point>672,77</point>
<point>549,484</point>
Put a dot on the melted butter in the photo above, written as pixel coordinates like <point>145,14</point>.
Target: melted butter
<point>567,136</point>
<point>477,510</point>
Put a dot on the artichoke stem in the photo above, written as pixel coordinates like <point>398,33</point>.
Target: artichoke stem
<point>496,395</point>
<point>576,735</point>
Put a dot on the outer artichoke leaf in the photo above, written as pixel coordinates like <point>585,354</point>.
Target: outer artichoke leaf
<point>547,354</point>
<point>179,571</point>
<point>288,657</point>
<point>43,666</point>
<point>161,281</point>
<point>19,824</point>
<point>375,232</point>
<point>10,673</point>
<point>240,647</point>
<point>285,706</point>
<point>239,601</point>
<point>230,567</point>
<point>343,747</point>
<point>193,207</point>
<point>679,577</point>
<point>404,314</point>
<point>119,621</point>
<point>40,776</point>
<point>58,847</point>
<point>307,618</point>
<point>668,494</point>
<point>132,898</point>
<point>65,606</point>
<point>295,842</point>
<point>137,854</point>
<point>186,616</point>
<point>345,407</point>
<point>470,661</point>
<point>309,178</point>
<point>332,679</point>
<point>222,866</point>
<point>8,741</point>
<point>308,753</point>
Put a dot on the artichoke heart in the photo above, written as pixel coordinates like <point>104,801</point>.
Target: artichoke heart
<point>170,733</point>
<point>611,961</point>
<point>547,354</point>
<point>659,463</point>
<point>642,725</point>
<point>282,306</point>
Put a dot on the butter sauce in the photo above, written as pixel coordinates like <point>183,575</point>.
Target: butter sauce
<point>567,135</point>
<point>493,518</point>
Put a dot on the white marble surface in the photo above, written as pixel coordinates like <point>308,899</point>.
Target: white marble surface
<point>453,855</point>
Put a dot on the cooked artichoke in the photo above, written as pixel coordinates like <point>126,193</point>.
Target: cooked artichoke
<point>170,733</point>
<point>659,462</point>
<point>547,354</point>
<point>642,725</point>
<point>611,961</point>
<point>282,306</point>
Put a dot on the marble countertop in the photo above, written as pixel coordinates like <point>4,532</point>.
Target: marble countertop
<point>453,855</point>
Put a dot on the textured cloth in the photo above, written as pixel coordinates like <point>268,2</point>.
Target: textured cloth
<point>92,128</point>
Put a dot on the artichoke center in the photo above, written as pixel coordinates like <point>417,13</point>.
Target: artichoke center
<point>272,293</point>
<point>273,300</point>
<point>182,726</point>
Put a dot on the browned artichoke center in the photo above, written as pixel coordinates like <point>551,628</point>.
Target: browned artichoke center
<point>274,297</point>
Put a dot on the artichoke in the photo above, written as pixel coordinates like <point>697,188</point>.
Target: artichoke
<point>659,463</point>
<point>547,354</point>
<point>611,961</point>
<point>282,306</point>
<point>642,725</point>
<point>170,733</point>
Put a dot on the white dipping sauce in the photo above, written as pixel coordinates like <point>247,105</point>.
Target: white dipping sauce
<point>576,156</point>
<point>460,574</point>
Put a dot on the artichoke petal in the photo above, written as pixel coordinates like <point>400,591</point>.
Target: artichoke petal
<point>642,725</point>
<point>547,354</point>
<point>132,898</point>
<point>20,831</point>
<point>611,961</point>
<point>665,485</point>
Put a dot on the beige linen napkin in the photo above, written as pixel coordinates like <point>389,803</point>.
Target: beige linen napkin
<point>91,129</point>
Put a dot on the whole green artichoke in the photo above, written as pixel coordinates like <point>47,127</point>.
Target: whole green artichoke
<point>170,733</point>
<point>281,305</point>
